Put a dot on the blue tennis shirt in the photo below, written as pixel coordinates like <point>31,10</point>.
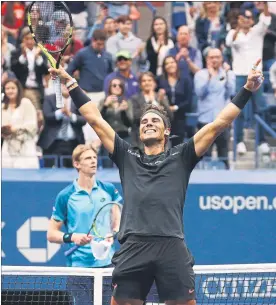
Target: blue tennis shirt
<point>76,209</point>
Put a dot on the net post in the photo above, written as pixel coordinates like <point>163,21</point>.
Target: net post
<point>98,288</point>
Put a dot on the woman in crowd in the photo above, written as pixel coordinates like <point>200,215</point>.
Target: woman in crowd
<point>19,128</point>
<point>158,44</point>
<point>139,101</point>
<point>210,27</point>
<point>117,112</point>
<point>179,93</point>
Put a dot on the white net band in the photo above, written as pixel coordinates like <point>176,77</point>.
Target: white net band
<point>215,284</point>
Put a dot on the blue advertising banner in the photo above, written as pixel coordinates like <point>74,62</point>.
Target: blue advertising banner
<point>229,218</point>
<point>218,289</point>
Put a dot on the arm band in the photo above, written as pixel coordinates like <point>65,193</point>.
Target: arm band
<point>79,97</point>
<point>67,238</point>
<point>242,98</point>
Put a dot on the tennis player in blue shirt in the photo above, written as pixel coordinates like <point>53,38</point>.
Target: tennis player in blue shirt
<point>75,208</point>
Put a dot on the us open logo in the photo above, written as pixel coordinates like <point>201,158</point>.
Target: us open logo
<point>23,241</point>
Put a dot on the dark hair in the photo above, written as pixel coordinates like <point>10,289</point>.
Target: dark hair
<point>166,31</point>
<point>148,73</point>
<point>107,18</point>
<point>164,64</point>
<point>122,85</point>
<point>162,113</point>
<point>123,19</point>
<point>19,95</point>
<point>99,35</point>
<point>160,110</point>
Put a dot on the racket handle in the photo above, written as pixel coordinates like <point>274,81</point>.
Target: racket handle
<point>57,86</point>
<point>71,250</point>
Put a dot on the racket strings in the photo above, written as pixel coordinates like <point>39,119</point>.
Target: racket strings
<point>107,221</point>
<point>51,25</point>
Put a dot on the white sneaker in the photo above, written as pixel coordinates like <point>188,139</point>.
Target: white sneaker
<point>241,148</point>
<point>264,149</point>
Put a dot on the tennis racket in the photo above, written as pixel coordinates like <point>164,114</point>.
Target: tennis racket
<point>51,26</point>
<point>105,225</point>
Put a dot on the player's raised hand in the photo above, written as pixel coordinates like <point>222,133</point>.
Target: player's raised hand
<point>81,239</point>
<point>255,78</point>
<point>60,72</point>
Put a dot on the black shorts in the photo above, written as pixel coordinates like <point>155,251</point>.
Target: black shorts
<point>143,260</point>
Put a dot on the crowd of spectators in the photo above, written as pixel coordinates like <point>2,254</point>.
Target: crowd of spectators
<point>195,67</point>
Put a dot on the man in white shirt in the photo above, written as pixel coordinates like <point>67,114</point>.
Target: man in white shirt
<point>246,42</point>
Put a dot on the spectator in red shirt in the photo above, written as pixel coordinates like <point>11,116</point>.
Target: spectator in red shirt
<point>12,18</point>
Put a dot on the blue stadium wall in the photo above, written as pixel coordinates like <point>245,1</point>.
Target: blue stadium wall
<point>229,216</point>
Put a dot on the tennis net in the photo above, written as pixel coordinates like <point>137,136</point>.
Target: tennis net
<point>215,284</point>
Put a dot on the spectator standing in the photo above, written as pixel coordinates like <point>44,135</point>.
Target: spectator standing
<point>246,42</point>
<point>117,8</point>
<point>179,93</point>
<point>98,24</point>
<point>74,208</point>
<point>92,12</point>
<point>269,48</point>
<point>123,71</point>
<point>158,45</point>
<point>19,128</point>
<point>126,40</point>
<point>146,96</point>
<point>93,64</point>
<point>210,27</point>
<point>63,129</point>
<point>189,59</point>
<point>79,16</point>
<point>30,67</point>
<point>187,15</point>
<point>110,27</point>
<point>12,13</point>
<point>214,86</point>
<point>117,111</point>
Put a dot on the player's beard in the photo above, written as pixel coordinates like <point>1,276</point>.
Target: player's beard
<point>151,142</point>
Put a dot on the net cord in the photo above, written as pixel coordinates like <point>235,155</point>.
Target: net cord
<point>101,272</point>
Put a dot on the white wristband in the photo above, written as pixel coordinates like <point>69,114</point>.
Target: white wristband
<point>72,82</point>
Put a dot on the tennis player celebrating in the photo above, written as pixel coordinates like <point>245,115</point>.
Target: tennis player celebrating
<point>154,183</point>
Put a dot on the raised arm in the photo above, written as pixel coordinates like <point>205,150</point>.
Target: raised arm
<point>88,109</point>
<point>205,137</point>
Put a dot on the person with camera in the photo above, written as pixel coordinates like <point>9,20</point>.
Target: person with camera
<point>117,111</point>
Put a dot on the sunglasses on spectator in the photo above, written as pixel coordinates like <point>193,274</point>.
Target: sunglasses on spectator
<point>248,16</point>
<point>120,58</point>
<point>117,85</point>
